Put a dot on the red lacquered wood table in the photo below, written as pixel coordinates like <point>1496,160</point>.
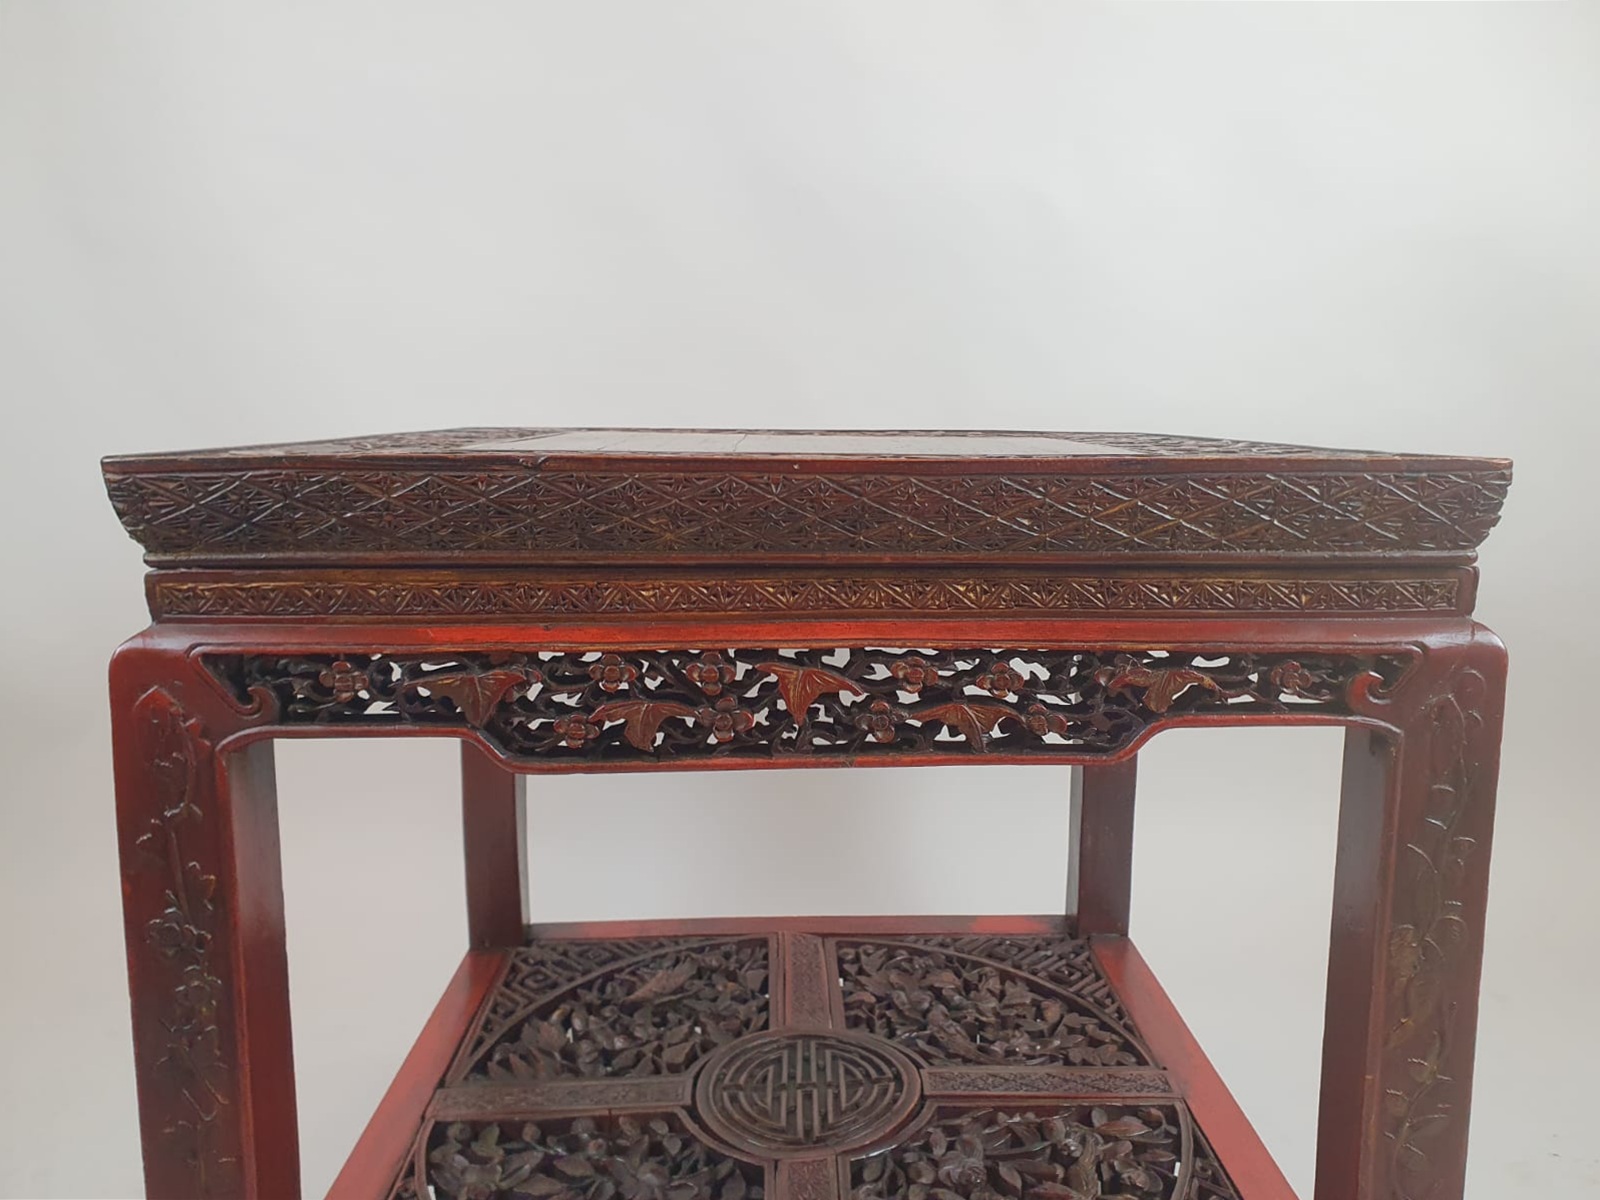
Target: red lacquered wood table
<point>613,600</point>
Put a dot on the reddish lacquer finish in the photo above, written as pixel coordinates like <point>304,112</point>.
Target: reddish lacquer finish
<point>383,1145</point>
<point>568,601</point>
<point>1225,1124</point>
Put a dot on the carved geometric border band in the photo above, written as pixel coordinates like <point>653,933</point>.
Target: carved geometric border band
<point>498,512</point>
<point>1067,1082</point>
<point>489,1099</point>
<point>851,704</point>
<point>468,596</point>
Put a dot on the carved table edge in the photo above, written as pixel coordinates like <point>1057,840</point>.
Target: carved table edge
<point>447,596</point>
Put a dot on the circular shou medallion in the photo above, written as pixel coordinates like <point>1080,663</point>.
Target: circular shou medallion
<point>790,1094</point>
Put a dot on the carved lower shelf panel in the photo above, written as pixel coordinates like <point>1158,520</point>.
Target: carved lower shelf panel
<point>808,1066</point>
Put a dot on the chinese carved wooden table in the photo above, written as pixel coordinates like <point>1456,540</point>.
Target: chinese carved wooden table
<point>602,600</point>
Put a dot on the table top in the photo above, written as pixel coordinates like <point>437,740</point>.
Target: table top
<point>967,446</point>
<point>584,496</point>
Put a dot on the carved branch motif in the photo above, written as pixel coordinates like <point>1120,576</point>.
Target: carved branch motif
<point>176,752</point>
<point>1078,1152</point>
<point>762,703</point>
<point>988,1002</point>
<point>472,596</point>
<point>1431,930</point>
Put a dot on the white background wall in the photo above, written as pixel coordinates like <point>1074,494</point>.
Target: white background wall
<point>1357,224</point>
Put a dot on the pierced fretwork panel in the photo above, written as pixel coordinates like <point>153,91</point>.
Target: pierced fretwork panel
<point>648,1157</point>
<point>667,705</point>
<point>988,1001</point>
<point>1048,1153</point>
<point>883,1067</point>
<point>657,1008</point>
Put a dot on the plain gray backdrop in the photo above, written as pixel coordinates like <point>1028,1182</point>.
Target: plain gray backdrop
<point>1358,224</point>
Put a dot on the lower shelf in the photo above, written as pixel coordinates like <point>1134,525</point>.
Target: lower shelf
<point>808,1059</point>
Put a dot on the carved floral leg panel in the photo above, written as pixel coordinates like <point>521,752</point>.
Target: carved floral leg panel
<point>1409,899</point>
<point>798,1066</point>
<point>203,906</point>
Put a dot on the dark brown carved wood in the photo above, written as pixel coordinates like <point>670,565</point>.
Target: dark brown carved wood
<point>967,1086</point>
<point>465,595</point>
<point>653,1013</point>
<point>518,492</point>
<point>635,600</point>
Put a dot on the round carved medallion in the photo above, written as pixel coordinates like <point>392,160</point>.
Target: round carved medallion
<point>784,1094</point>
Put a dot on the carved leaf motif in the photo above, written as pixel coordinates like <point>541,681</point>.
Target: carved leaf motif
<point>476,693</point>
<point>1405,953</point>
<point>642,718</point>
<point>171,737</point>
<point>968,1008</point>
<point>800,686</point>
<point>971,721</point>
<point>665,982</point>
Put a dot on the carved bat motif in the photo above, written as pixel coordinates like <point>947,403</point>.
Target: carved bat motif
<point>800,686</point>
<point>642,718</point>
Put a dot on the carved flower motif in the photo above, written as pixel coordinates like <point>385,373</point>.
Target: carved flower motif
<point>724,719</point>
<point>880,720</point>
<point>1001,680</point>
<point>172,934</point>
<point>962,1168</point>
<point>914,673</point>
<point>344,679</point>
<point>197,991</point>
<point>710,674</point>
<point>612,673</point>
<point>1040,720</point>
<point>575,730</point>
<point>1291,677</point>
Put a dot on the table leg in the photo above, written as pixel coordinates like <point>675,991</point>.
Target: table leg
<point>1409,895</point>
<point>1100,861</point>
<point>495,824</point>
<point>203,909</point>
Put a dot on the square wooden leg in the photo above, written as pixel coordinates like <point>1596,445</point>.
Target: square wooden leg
<point>203,908</point>
<point>1410,891</point>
